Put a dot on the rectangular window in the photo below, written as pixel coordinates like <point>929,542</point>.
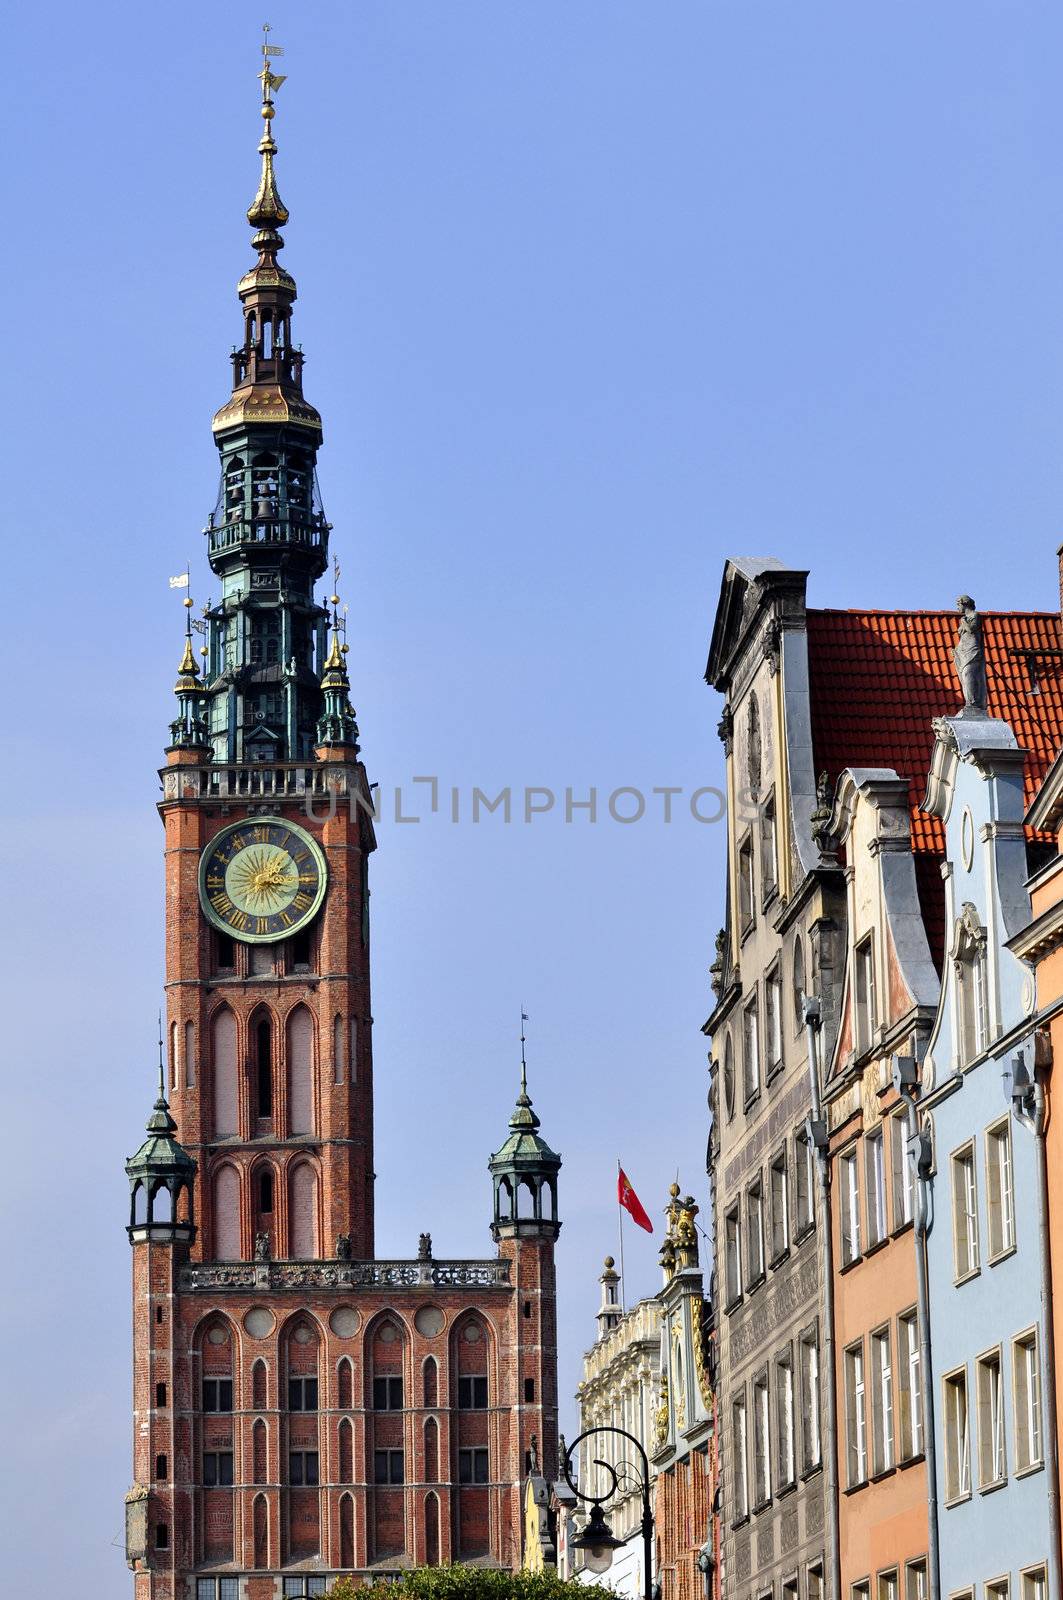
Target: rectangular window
<point>849,1202</point>
<point>745,885</point>
<point>529,1389</point>
<point>773,1018</point>
<point>387,1393</point>
<point>755,1232</point>
<point>388,1466</point>
<point>1034,1583</point>
<point>162,1468</point>
<point>472,1394</point>
<point>312,1583</point>
<point>740,1441</point>
<point>786,1457</point>
<point>217,1394</point>
<point>957,1436</point>
<point>750,1051</point>
<point>217,1469</point>
<point>780,1206</point>
<point>303,1469</point>
<point>875,1174</point>
<point>909,1388</point>
<point>302,1394</point>
<point>810,1443</point>
<point>998,1589</point>
<point>472,1466</point>
<point>881,1402</point>
<point>814,1588</point>
<point>805,1178</point>
<point>964,1214</point>
<point>769,862</point>
<point>992,1456</point>
<point>761,1442</point>
<point>160,1395</point>
<point>791,1589</point>
<point>1000,1192</point>
<point>1025,1362</point>
<point>915,1580</point>
<point>863,996</point>
<point>219,1589</point>
<point>855,1416</point>
<point>887,1585</point>
<point>733,1252</point>
<point>901,1170</point>
<point>861,1590</point>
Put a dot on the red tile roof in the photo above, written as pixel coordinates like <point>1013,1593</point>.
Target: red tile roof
<point>878,678</point>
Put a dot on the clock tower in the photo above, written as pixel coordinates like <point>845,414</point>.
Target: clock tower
<point>301,1408</point>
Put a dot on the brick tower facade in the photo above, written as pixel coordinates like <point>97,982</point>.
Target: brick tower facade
<point>301,1409</point>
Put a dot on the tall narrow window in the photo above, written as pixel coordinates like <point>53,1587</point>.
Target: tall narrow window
<point>769,856</point>
<point>964,1213</point>
<point>855,1416</point>
<point>810,1442</point>
<point>339,1065</point>
<point>354,1050</point>
<point>887,1585</point>
<point>786,1466</point>
<point>1025,1365</point>
<point>761,1441</point>
<point>1000,1194</point>
<point>957,1436</point>
<point>750,1051</point>
<point>863,996</point>
<point>804,1175</point>
<point>882,1457</point>
<point>745,885</point>
<point>300,1043</point>
<point>1034,1584</point>
<point>733,1255</point>
<point>264,1068</point>
<point>915,1580</point>
<point>849,1201</point>
<point>797,971</point>
<point>223,1063</point>
<point>909,1388</point>
<point>190,1055</point>
<point>900,1169</point>
<point>755,1232</point>
<point>740,1471</point>
<point>780,1206</point>
<point>773,1004</point>
<point>875,1170</point>
<point>992,1457</point>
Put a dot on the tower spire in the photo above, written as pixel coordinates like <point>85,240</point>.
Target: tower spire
<point>188,729</point>
<point>337,724</point>
<point>267,211</point>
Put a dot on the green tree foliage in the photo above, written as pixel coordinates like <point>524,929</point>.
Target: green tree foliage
<point>473,1583</point>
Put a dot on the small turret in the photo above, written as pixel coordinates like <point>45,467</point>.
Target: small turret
<point>189,728</point>
<point>160,1182</point>
<point>337,725</point>
<point>609,1313</point>
<point>525,1174</point>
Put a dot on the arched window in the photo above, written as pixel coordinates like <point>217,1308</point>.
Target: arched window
<point>338,1066</point>
<point>302,1469</point>
<point>346,1452</point>
<point>219,1398</point>
<point>431,1530</point>
<point>258,1385</point>
<point>798,970</point>
<point>261,1522</point>
<point>161,1204</point>
<point>300,1071</point>
<point>431,1382</point>
<point>226,1214</point>
<point>190,1055</point>
<point>431,1451</point>
<point>223,1059</point>
<point>344,1385</point>
<point>262,1048</point>
<point>302,1213</point>
<point>175,1057</point>
<point>354,1049</point>
<point>346,1531</point>
<point>258,1452</point>
<point>140,1203</point>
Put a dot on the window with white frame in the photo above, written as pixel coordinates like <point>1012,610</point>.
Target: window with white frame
<point>733,1255</point>
<point>780,1206</point>
<point>992,1457</point>
<point>875,1178</point>
<point>1034,1583</point>
<point>903,1182</point>
<point>808,1355</point>
<point>773,1019</point>
<point>761,1442</point>
<point>855,1416</point>
<point>746,907</point>
<point>786,1459</point>
<point>804,1182</point>
<point>849,1202</point>
<point>1026,1370</point>
<point>882,1456</point>
<point>957,1436</point>
<point>998,1589</point>
<point>863,996</point>
<point>915,1580</point>
<point>964,1213</point>
<point>740,1469</point>
<point>887,1586</point>
<point>861,1590</point>
<point>972,989</point>
<point>750,1051</point>
<point>909,1388</point>
<point>219,1589</point>
<point>1000,1192</point>
<point>769,850</point>
<point>755,1232</point>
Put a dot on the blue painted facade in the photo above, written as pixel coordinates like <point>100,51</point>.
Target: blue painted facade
<point>984,1267</point>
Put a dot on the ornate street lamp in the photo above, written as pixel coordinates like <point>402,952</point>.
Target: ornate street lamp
<point>597,1540</point>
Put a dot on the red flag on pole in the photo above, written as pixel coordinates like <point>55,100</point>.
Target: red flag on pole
<point>631,1203</point>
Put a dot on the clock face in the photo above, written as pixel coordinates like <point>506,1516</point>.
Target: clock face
<point>261,881</point>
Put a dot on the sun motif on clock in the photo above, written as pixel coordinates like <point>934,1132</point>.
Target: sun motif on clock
<point>261,881</point>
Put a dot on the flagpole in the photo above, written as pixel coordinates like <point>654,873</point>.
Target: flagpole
<point>620,1219</point>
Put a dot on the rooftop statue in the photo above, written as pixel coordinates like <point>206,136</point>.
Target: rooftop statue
<point>969,657</point>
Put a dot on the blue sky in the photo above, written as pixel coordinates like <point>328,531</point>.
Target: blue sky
<point>592,294</point>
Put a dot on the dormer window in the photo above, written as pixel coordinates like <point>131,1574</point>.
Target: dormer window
<point>972,987</point>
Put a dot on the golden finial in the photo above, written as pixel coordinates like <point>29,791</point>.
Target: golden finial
<point>267,210</point>
<point>338,651</point>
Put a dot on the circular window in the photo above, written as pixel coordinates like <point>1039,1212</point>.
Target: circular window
<point>472,1333</point>
<point>344,1322</point>
<point>302,1334</point>
<point>218,1336</point>
<point>388,1333</point>
<point>429,1321</point>
<point>259,1322</point>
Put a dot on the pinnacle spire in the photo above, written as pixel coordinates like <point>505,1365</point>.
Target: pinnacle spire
<point>337,724</point>
<point>188,727</point>
<point>267,211</point>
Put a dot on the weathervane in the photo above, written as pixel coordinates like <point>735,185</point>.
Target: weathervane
<point>523,1062</point>
<point>269,80</point>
